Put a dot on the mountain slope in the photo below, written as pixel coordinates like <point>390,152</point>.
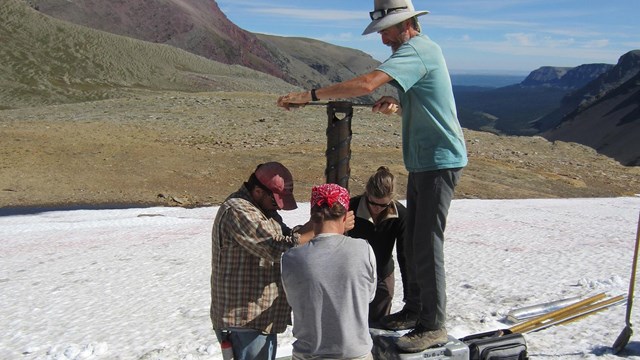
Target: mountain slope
<point>566,78</point>
<point>47,61</point>
<point>200,27</point>
<point>607,114</point>
<point>330,63</point>
<point>196,26</point>
<point>517,109</point>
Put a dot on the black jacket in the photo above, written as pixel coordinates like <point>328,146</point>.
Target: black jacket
<point>381,237</point>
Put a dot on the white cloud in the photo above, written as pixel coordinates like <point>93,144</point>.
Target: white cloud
<point>534,40</point>
<point>521,39</point>
<point>471,23</point>
<point>308,14</point>
<point>519,48</point>
<point>573,32</point>
<point>339,37</point>
<point>597,43</point>
<point>482,6</point>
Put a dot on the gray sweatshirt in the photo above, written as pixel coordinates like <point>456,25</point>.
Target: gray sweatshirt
<point>329,283</point>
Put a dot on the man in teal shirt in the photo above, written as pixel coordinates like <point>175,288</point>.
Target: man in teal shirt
<point>433,150</point>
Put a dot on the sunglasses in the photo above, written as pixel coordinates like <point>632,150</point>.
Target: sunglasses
<point>372,203</point>
<point>379,14</point>
<point>269,192</point>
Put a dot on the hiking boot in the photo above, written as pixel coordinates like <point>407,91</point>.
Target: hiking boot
<point>402,320</point>
<point>420,339</point>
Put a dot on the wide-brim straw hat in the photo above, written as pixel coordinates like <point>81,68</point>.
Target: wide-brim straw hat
<point>392,12</point>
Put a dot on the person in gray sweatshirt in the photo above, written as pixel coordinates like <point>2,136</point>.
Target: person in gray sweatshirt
<point>329,283</point>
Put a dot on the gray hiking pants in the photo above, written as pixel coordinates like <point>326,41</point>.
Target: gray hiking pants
<point>429,196</point>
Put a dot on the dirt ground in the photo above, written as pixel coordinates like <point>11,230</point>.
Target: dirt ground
<point>184,149</point>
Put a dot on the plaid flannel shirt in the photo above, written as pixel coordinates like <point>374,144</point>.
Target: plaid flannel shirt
<point>246,288</point>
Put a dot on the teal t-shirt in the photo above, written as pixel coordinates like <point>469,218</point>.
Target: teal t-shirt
<point>432,138</point>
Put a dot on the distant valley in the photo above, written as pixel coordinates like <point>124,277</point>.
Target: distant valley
<point>490,81</point>
<point>593,104</point>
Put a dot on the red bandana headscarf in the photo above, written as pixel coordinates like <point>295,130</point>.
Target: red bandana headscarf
<point>329,194</point>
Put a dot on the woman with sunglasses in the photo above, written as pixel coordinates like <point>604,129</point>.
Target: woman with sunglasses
<point>380,220</point>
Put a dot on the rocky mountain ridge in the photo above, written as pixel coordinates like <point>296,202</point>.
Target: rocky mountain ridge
<point>623,73</point>
<point>606,113</point>
<point>565,77</point>
<point>552,97</point>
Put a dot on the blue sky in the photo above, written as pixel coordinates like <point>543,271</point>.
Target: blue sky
<point>477,36</point>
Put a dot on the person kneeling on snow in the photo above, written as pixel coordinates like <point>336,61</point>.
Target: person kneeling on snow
<point>329,283</point>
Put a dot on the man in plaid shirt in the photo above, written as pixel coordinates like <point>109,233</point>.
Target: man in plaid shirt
<point>248,304</point>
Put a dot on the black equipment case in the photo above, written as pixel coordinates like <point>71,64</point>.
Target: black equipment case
<point>496,345</point>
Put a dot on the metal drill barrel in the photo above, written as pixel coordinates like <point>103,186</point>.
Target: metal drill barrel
<point>339,142</point>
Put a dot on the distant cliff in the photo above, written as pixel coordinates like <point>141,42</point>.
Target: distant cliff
<point>605,114</point>
<point>565,78</point>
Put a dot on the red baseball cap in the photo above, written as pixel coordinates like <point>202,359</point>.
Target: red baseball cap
<point>277,178</point>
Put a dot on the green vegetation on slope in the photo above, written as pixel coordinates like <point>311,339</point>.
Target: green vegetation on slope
<point>48,61</point>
